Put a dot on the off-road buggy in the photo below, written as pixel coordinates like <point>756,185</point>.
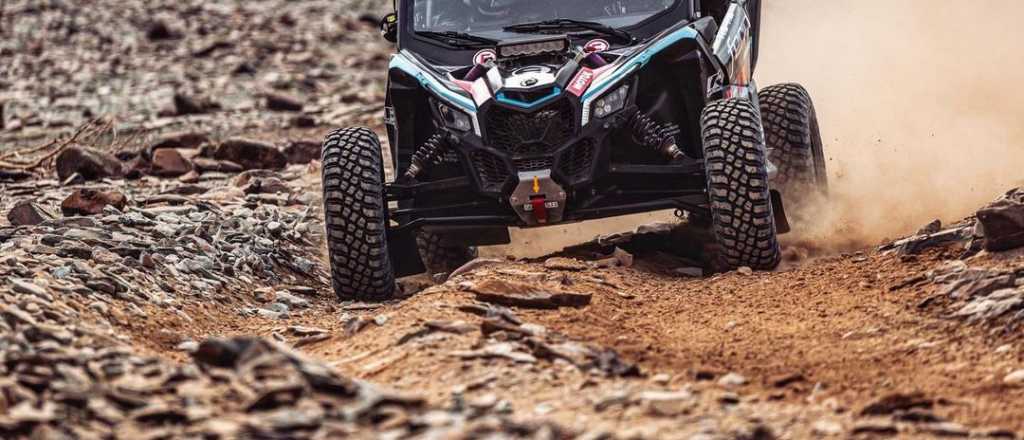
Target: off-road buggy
<point>527,113</point>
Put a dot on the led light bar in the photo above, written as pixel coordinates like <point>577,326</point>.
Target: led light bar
<point>533,47</point>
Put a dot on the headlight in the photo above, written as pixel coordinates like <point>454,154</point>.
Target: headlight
<point>454,119</point>
<point>611,102</point>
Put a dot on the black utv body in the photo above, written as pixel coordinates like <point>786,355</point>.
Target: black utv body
<point>527,113</point>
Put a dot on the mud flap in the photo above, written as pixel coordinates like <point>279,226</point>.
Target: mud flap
<point>781,221</point>
<point>405,257</point>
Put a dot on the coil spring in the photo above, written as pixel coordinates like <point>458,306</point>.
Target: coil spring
<point>429,153</point>
<point>651,133</point>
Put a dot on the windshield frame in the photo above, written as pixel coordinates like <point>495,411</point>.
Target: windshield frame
<point>410,38</point>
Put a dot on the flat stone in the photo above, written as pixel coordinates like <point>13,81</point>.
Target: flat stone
<point>1015,378</point>
<point>997,304</point>
<point>668,403</point>
<point>826,427</point>
<point>474,265</point>
<point>945,429</point>
<point>875,427</point>
<point>22,286</point>
<point>897,402</point>
<point>732,380</point>
<point>569,264</point>
<point>504,350</point>
<point>527,296</point>
<point>84,202</point>
<point>690,272</point>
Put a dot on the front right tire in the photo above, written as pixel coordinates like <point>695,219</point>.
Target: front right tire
<point>794,146</point>
<point>737,179</point>
<point>439,255</point>
<point>356,215</point>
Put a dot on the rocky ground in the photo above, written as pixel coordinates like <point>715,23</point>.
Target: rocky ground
<point>161,258</point>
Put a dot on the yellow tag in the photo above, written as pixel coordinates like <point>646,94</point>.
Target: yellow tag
<point>536,185</point>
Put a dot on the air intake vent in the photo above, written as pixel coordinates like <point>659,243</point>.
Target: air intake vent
<point>576,163</point>
<point>536,164</point>
<point>530,134</point>
<point>492,170</point>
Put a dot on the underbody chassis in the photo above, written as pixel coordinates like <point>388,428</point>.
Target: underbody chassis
<point>473,220</point>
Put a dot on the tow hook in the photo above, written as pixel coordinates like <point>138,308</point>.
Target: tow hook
<point>540,210</point>
<point>538,199</point>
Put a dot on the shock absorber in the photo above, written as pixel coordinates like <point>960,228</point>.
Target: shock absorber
<point>659,136</point>
<point>427,154</point>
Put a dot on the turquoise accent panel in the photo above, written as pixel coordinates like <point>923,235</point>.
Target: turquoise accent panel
<point>556,92</point>
<point>430,83</point>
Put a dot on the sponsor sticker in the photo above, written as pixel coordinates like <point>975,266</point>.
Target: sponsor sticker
<point>485,56</point>
<point>597,45</point>
<point>581,82</point>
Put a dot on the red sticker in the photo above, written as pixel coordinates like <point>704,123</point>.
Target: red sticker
<point>581,82</point>
<point>485,56</point>
<point>597,45</point>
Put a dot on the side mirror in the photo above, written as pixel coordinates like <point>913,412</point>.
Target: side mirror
<point>389,27</point>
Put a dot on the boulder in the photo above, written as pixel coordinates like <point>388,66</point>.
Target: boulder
<point>250,154</point>
<point>191,105</point>
<point>169,162</point>
<point>15,175</point>
<point>27,213</point>
<point>88,163</point>
<point>159,30</point>
<point>182,139</point>
<point>1002,222</point>
<point>91,202</point>
<point>284,103</point>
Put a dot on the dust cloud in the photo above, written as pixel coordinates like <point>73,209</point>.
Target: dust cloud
<point>919,101</point>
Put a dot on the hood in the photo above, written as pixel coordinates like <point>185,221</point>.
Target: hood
<point>527,72</point>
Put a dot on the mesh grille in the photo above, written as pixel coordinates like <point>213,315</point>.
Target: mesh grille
<point>543,163</point>
<point>492,170</point>
<point>522,134</point>
<point>575,163</point>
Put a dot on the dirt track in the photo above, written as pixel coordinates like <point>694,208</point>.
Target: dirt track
<point>846,340</point>
<point>817,344</point>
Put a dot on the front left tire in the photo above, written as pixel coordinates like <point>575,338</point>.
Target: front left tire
<point>356,215</point>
